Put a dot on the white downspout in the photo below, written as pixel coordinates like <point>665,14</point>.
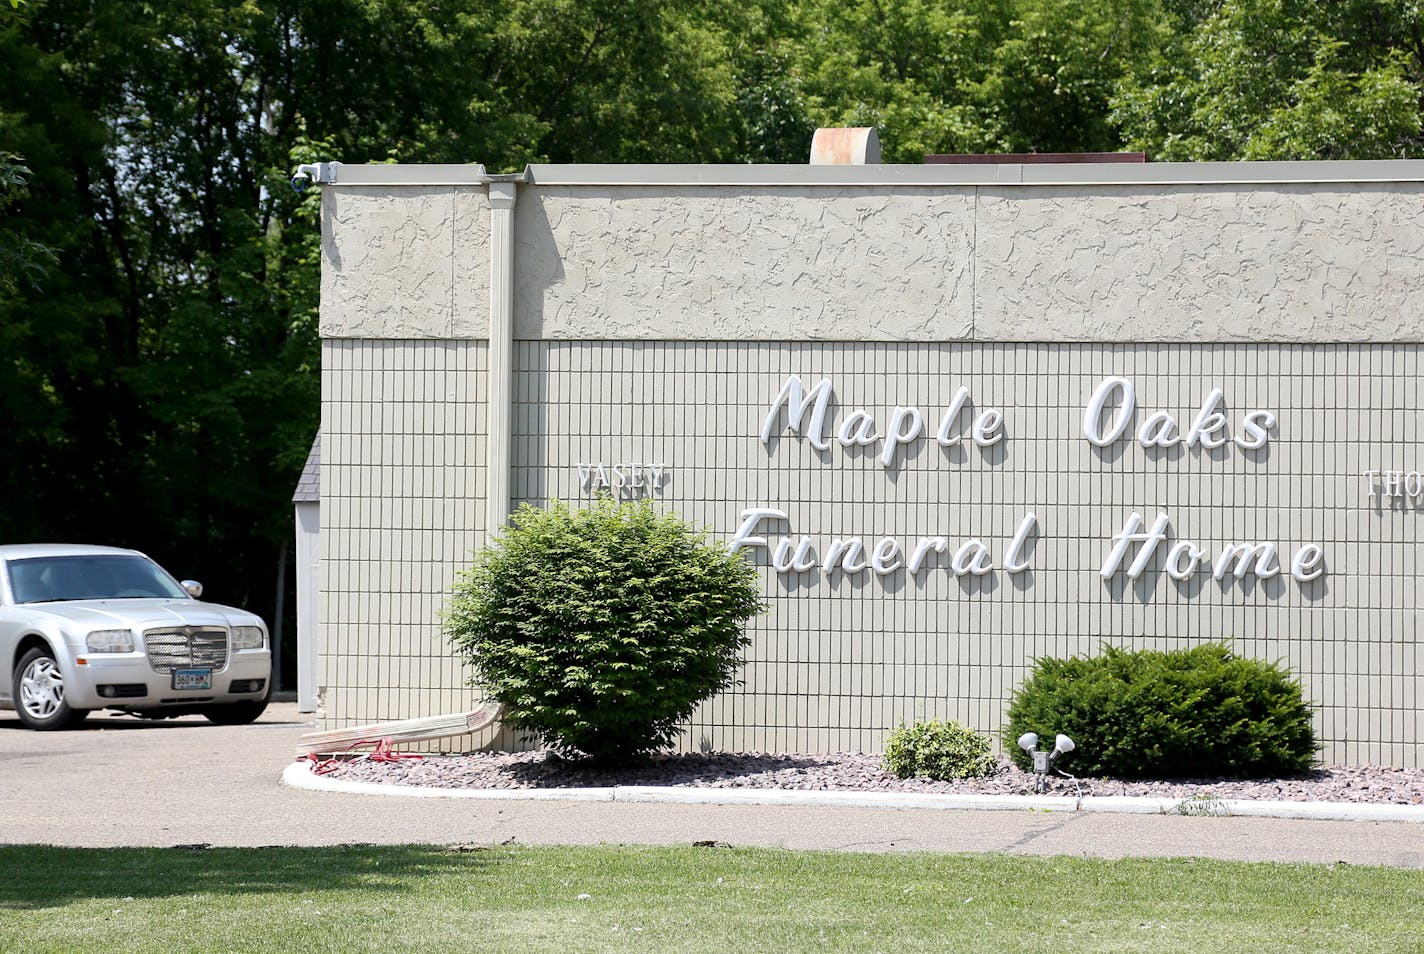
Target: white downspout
<point>500,362</point>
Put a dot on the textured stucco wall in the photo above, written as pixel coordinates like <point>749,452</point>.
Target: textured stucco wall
<point>717,264</point>
<point>405,262</point>
<point>1291,262</point>
<point>1304,262</point>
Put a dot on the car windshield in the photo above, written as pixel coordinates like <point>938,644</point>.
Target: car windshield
<point>93,577</point>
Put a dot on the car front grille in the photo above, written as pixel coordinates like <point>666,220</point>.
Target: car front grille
<point>186,647</point>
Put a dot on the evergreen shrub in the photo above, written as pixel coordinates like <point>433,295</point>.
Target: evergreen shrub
<point>1191,713</point>
<point>600,629</point>
<point>938,750</point>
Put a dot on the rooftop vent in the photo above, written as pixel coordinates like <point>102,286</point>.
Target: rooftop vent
<point>845,147</point>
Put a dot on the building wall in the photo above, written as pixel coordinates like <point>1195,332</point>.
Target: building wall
<point>1153,261</point>
<point>308,526</point>
<point>657,322</point>
<point>402,465</point>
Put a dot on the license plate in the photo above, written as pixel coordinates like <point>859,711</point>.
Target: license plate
<point>192,679</point>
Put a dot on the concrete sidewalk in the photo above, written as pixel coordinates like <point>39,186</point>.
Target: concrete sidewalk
<point>119,781</point>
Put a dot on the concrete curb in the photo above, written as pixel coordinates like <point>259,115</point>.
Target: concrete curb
<point>299,775</point>
<point>783,796</point>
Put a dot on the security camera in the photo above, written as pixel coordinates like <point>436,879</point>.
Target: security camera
<point>309,172</point>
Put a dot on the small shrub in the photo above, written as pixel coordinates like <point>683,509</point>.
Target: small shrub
<point>938,750</point>
<point>600,629</point>
<point>1193,713</point>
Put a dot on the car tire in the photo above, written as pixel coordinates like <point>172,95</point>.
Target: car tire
<point>234,713</point>
<point>37,689</point>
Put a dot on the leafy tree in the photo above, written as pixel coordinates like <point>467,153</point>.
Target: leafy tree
<point>608,81</point>
<point>904,68</point>
<point>160,376</point>
<point>975,75</point>
<point>160,389</point>
<point>157,388</point>
<point>1050,79</point>
<point>22,260</point>
<point>1281,79</point>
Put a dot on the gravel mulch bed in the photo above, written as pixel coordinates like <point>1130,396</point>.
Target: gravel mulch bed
<point>856,772</point>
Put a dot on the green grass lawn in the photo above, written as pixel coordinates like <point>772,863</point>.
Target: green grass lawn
<point>686,899</point>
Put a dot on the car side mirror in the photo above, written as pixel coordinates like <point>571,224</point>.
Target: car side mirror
<point>193,588</point>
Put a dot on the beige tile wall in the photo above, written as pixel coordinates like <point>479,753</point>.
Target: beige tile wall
<point>837,661</point>
<point>403,426</point>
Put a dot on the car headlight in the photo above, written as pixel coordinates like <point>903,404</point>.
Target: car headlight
<point>109,641</point>
<point>247,637</point>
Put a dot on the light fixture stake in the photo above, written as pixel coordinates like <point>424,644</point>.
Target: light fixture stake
<point>1043,762</point>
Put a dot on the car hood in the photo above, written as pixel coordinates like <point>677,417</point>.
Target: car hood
<point>143,614</point>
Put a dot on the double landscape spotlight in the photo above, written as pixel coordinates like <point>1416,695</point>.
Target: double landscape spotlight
<point>1043,761</point>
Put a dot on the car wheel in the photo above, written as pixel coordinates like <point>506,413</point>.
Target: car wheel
<point>234,713</point>
<point>38,692</point>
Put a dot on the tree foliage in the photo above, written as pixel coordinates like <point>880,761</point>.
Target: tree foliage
<point>23,261</point>
<point>161,377</point>
<point>161,381</point>
<point>159,280</point>
<point>1282,79</point>
<point>975,75</point>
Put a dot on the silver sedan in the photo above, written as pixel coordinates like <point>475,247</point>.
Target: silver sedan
<point>85,628</point>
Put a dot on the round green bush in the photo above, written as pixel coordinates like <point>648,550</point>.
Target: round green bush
<point>1191,713</point>
<point>938,750</point>
<point>600,629</point>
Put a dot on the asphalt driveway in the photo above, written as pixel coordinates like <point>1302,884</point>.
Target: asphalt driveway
<point>119,781</point>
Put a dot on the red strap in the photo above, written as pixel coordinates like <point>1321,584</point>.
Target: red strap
<point>384,752</point>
